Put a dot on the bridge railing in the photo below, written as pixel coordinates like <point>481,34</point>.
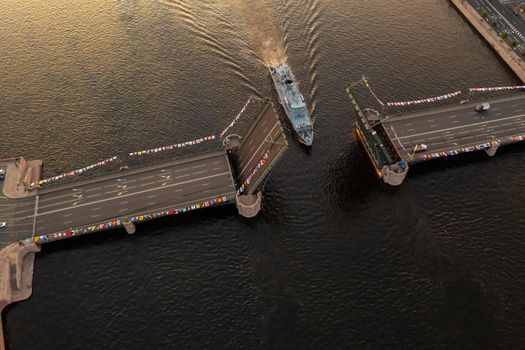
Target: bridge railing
<point>125,161</point>
<point>473,98</point>
<point>374,136</point>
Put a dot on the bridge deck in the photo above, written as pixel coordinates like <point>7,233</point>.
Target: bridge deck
<point>140,194</point>
<point>451,130</point>
<point>263,145</point>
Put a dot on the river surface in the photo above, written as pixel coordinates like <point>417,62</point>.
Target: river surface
<point>336,260</point>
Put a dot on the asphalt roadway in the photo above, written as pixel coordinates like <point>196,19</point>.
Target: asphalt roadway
<point>168,186</point>
<point>506,20</point>
<point>456,127</point>
<point>265,136</point>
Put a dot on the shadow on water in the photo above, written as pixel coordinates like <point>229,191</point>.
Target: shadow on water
<point>351,178</point>
<point>157,227</point>
<point>463,160</point>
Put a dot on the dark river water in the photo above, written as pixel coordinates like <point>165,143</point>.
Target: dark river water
<point>336,260</point>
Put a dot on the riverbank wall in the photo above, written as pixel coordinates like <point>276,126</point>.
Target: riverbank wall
<point>513,60</point>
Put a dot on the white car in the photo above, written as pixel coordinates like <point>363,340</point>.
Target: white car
<point>2,174</point>
<point>420,148</point>
<point>482,107</point>
<point>3,225</point>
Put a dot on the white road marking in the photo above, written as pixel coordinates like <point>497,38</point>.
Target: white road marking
<point>462,126</point>
<point>92,189</point>
<point>45,199</point>
<point>147,184</point>
<point>136,193</point>
<point>249,161</point>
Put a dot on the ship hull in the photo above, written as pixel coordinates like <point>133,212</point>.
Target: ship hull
<point>307,139</point>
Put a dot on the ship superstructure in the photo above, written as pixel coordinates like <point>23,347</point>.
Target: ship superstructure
<point>293,102</point>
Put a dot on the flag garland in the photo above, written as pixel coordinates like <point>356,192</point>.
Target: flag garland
<point>497,88</point>
<point>254,171</point>
<point>237,117</point>
<point>173,146</point>
<point>425,100</point>
<point>458,151</point>
<point>479,147</point>
<point>118,222</point>
<point>76,172</point>
<point>148,151</point>
<point>365,82</point>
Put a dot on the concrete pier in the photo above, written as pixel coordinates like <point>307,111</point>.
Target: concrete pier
<point>249,205</point>
<point>20,174</point>
<point>394,174</point>
<point>491,151</point>
<point>129,226</point>
<point>499,45</point>
<point>16,276</point>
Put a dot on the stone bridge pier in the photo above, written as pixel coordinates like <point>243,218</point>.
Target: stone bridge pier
<point>16,275</point>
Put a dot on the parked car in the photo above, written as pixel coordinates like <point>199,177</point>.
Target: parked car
<point>420,148</point>
<point>482,107</point>
<point>3,225</point>
<point>2,174</point>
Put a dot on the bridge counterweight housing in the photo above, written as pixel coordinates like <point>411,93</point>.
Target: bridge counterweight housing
<point>371,134</point>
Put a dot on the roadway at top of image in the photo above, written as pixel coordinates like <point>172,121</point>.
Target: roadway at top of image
<point>505,19</point>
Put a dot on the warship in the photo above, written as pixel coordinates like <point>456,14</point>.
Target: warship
<point>293,102</point>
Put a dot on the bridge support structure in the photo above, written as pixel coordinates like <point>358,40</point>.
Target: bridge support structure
<point>249,205</point>
<point>16,275</point>
<point>491,151</point>
<point>232,142</point>
<point>394,174</point>
<point>129,226</point>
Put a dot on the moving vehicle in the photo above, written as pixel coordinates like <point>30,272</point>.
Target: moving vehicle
<point>420,148</point>
<point>482,107</point>
<point>293,103</point>
<point>2,174</point>
<point>3,225</point>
